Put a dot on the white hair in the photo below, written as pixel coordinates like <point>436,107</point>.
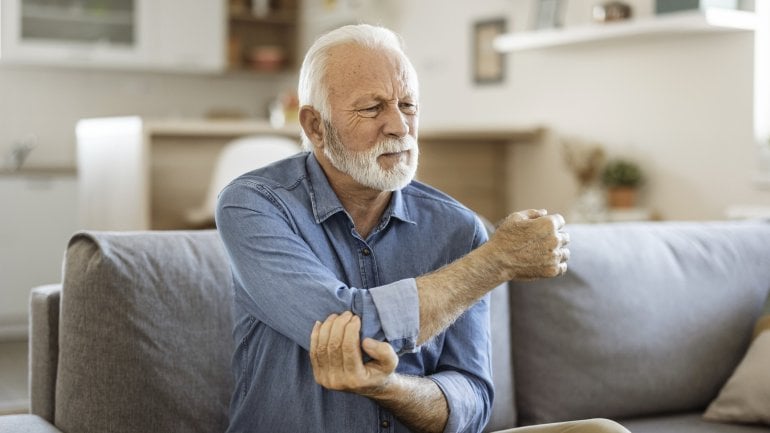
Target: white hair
<point>313,89</point>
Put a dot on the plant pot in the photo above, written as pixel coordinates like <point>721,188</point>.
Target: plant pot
<point>621,197</point>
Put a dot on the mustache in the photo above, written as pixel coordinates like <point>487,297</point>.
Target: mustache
<point>395,145</point>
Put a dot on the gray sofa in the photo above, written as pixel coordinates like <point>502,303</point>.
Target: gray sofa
<point>645,328</point>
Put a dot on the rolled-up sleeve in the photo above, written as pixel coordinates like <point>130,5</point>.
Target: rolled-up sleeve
<point>398,308</point>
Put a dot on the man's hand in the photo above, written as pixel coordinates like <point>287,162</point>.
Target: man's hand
<point>531,244</point>
<point>335,354</point>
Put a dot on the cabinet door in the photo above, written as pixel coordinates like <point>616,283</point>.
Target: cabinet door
<point>73,32</point>
<point>127,34</point>
<point>187,36</point>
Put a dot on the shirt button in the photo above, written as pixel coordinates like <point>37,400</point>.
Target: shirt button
<point>366,251</point>
<point>385,423</point>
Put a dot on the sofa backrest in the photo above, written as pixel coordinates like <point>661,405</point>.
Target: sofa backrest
<point>650,318</point>
<point>145,333</point>
<point>145,336</point>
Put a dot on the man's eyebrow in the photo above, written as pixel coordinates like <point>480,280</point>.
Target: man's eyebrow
<point>369,97</point>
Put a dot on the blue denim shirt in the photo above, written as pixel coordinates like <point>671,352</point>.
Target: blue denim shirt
<point>297,258</point>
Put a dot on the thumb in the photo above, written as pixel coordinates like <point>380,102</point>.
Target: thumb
<point>381,352</point>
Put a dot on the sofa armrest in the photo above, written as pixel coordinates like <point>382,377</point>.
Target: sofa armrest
<point>44,349</point>
<point>26,424</point>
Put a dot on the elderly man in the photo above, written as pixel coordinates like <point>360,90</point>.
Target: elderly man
<point>361,295</point>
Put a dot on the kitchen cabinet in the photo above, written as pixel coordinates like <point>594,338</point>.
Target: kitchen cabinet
<point>128,34</point>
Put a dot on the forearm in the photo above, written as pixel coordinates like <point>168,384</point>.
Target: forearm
<point>416,401</point>
<point>527,245</point>
<point>446,293</point>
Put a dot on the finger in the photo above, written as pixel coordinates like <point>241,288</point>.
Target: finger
<point>336,334</point>
<point>314,348</point>
<point>382,354</point>
<point>562,268</point>
<point>563,239</point>
<point>322,348</point>
<point>558,221</point>
<point>565,254</point>
<point>314,337</point>
<point>351,347</point>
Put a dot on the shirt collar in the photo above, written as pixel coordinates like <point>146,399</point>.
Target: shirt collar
<point>325,202</point>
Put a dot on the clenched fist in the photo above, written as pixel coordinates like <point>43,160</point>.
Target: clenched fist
<point>530,244</point>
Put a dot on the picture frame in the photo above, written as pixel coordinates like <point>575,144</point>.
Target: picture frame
<point>488,64</point>
<point>548,14</point>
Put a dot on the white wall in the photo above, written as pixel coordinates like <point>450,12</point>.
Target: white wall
<point>681,106</point>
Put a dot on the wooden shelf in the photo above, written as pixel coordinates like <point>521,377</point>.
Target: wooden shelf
<point>706,21</point>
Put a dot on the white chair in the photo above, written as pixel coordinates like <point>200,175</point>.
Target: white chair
<point>237,157</point>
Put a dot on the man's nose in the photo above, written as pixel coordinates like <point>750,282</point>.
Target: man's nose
<point>396,122</point>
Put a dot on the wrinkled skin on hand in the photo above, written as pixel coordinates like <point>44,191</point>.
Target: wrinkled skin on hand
<point>335,354</point>
<point>531,244</point>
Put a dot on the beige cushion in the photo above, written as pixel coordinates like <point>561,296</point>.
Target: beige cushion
<point>746,396</point>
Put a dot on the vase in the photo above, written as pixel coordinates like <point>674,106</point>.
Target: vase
<point>590,206</point>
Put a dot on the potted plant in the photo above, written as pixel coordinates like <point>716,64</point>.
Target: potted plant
<point>622,179</point>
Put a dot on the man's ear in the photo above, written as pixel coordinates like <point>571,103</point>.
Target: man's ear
<point>311,123</point>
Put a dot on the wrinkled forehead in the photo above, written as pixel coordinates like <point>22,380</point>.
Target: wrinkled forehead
<point>357,66</point>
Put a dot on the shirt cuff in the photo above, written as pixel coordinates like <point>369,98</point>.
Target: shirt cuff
<point>461,398</point>
<point>398,307</point>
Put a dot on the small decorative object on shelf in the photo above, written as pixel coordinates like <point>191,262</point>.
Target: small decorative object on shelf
<point>585,161</point>
<point>284,109</point>
<point>622,178</point>
<point>611,11</point>
<point>20,151</point>
<point>268,58</point>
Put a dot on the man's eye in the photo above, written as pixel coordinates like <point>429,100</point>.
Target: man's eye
<point>369,111</point>
<point>408,108</point>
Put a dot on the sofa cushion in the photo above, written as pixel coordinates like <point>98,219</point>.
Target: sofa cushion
<point>650,318</point>
<point>746,396</point>
<point>145,339</point>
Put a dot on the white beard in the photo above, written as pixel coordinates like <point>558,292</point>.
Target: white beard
<point>363,167</point>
